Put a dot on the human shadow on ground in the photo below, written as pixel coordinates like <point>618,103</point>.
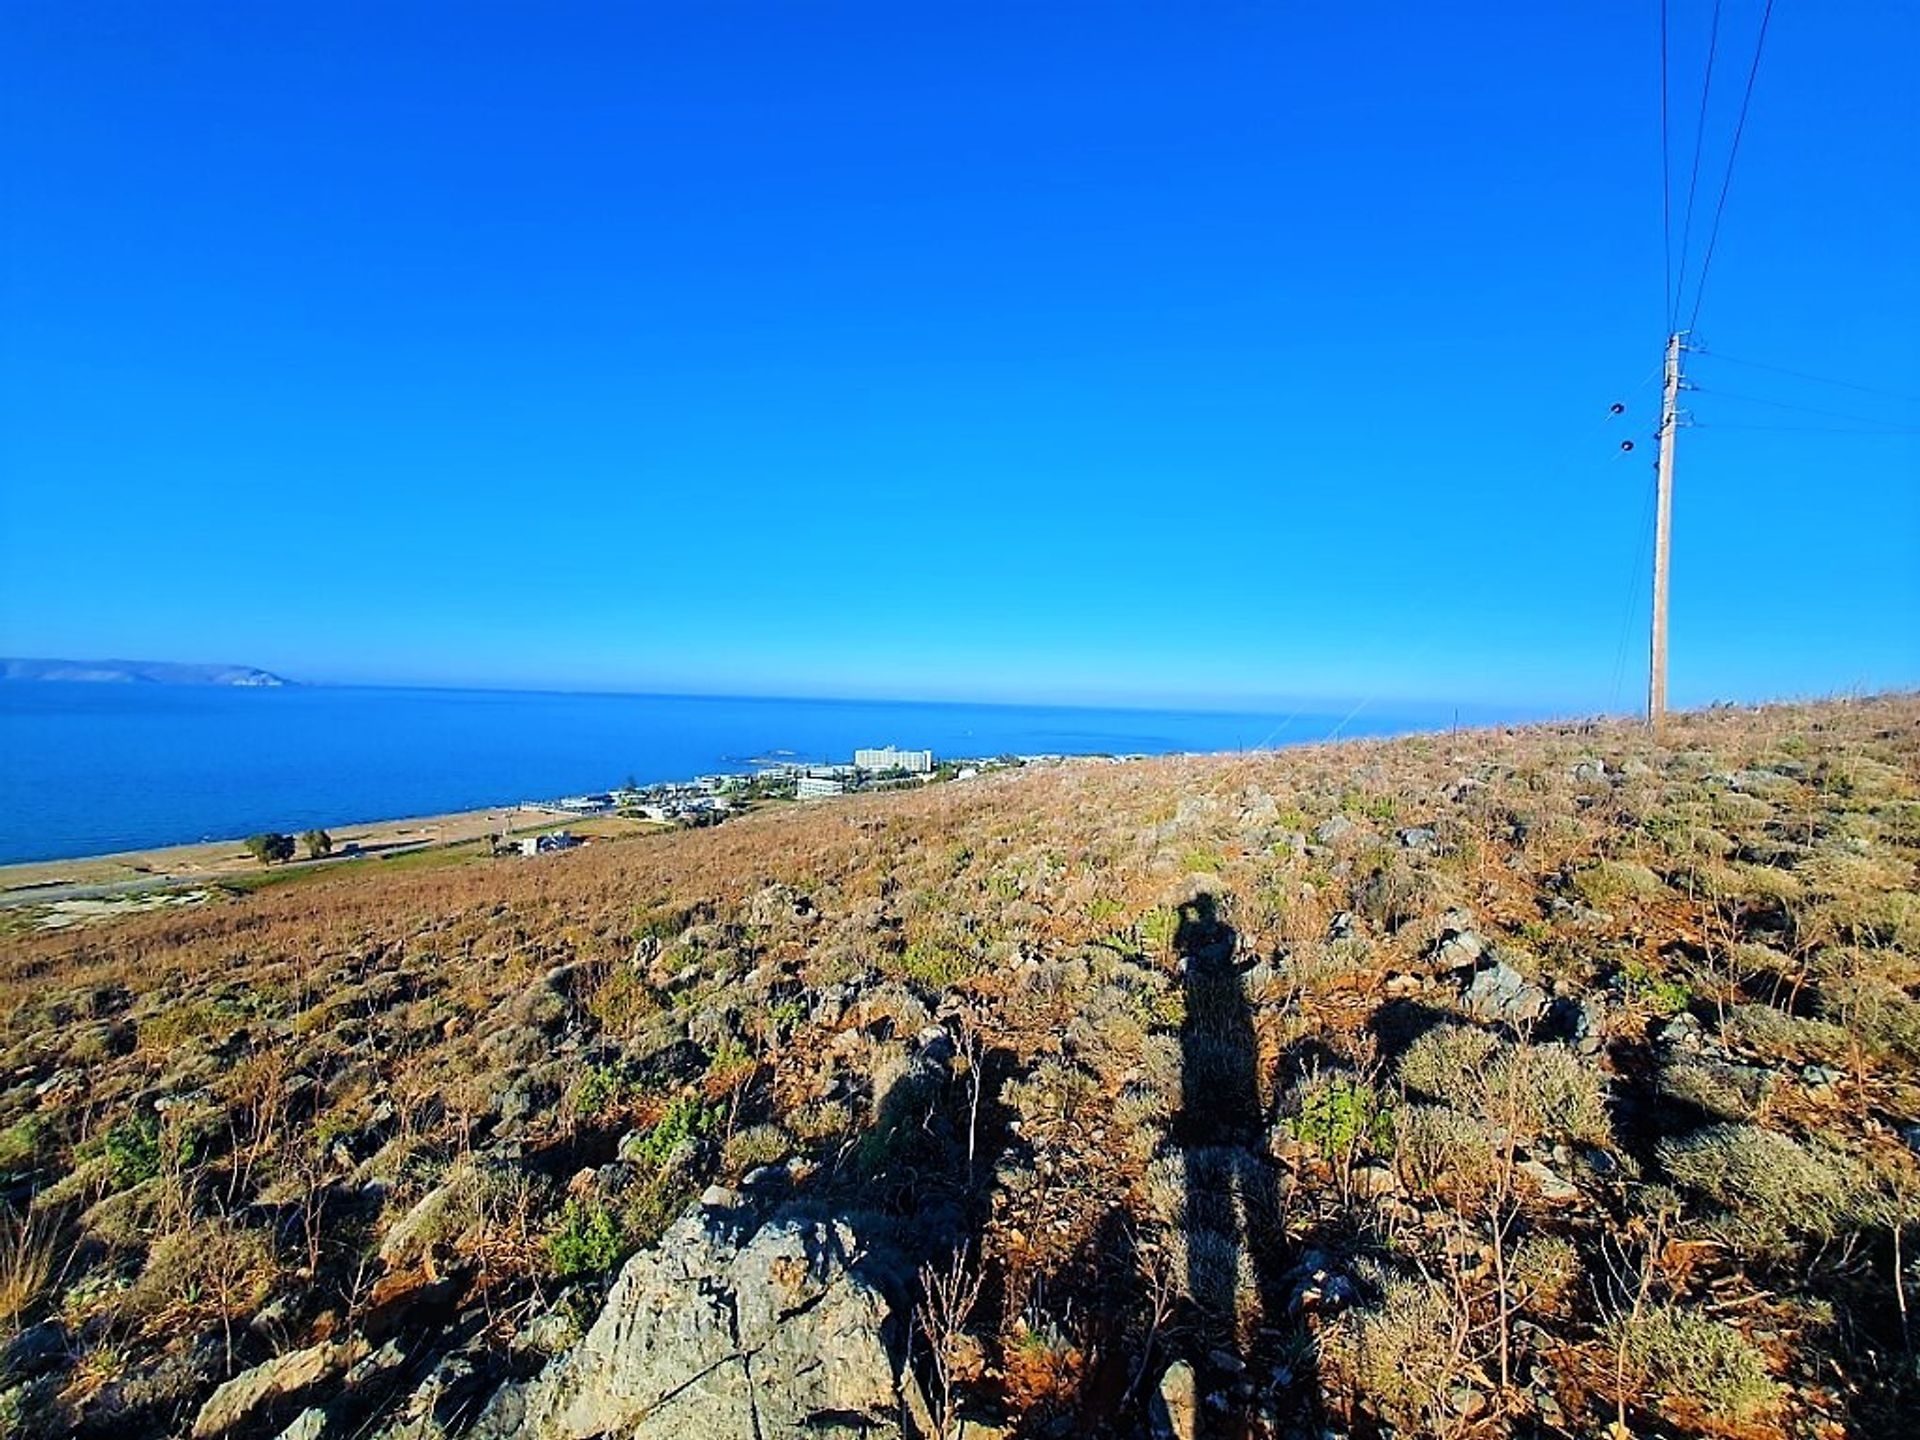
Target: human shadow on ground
<point>1232,1223</point>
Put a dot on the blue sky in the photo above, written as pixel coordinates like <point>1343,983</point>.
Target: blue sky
<point>1116,352</point>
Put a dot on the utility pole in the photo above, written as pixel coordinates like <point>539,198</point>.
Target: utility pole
<point>1663,529</point>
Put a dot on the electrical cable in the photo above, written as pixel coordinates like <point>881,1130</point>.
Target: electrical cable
<point>1699,145</point>
<point>1671,296</point>
<point>1788,405</point>
<point>1733,154</point>
<point>1808,375</point>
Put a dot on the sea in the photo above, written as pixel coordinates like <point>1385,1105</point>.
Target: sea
<point>91,768</point>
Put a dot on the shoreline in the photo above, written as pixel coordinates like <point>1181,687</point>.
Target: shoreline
<point>28,882</point>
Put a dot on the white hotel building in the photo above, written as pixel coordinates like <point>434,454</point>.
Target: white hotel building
<point>914,762</point>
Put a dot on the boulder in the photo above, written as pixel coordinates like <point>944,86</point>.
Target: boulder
<point>248,1394</point>
<point>1333,830</point>
<point>718,1333</point>
<point>1175,1408</point>
<point>1500,992</point>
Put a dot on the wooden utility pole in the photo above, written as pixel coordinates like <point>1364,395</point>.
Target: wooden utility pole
<point>1663,530</point>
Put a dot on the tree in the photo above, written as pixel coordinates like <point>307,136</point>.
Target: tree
<point>319,844</point>
<point>270,847</point>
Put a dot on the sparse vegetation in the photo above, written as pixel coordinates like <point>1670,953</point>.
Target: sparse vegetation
<point>1127,1064</point>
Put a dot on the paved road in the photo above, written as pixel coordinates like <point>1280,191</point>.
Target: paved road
<point>139,885</point>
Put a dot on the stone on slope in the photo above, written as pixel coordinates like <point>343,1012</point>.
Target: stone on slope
<point>716,1334</point>
<point>252,1391</point>
<point>1500,992</point>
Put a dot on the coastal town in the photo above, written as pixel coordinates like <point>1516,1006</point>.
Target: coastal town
<point>709,799</point>
<point>58,894</point>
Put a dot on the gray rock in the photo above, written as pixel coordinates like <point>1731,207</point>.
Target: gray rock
<point>1175,1409</point>
<point>1682,1031</point>
<point>37,1350</point>
<point>1418,838</point>
<point>1332,831</point>
<point>714,1335</point>
<point>1577,1021</point>
<point>1553,1189</point>
<point>1500,992</point>
<point>309,1424</point>
<point>252,1391</point>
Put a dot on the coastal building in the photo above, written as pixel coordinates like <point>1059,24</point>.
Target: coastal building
<point>818,787</point>
<point>546,844</point>
<point>886,757</point>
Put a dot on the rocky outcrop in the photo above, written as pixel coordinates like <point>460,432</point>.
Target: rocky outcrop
<point>248,1395</point>
<point>724,1332</point>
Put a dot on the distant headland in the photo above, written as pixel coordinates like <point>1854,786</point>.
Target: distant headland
<point>138,672</point>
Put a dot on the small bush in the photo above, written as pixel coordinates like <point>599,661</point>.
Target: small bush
<point>1776,1033</point>
<point>1545,1270</point>
<point>938,964</point>
<point>20,1143</point>
<point>1342,1116</point>
<point>1702,1362</point>
<point>1726,1092</point>
<point>1447,1062</point>
<point>1441,1150</point>
<point>586,1241</point>
<point>753,1147</point>
<point>1393,1358</point>
<point>1611,881</point>
<point>686,1121</point>
<point>217,1266</point>
<point>598,1090</point>
<point>1657,993</point>
<point>1531,1089</point>
<point>129,1152</point>
<point>1769,1181</point>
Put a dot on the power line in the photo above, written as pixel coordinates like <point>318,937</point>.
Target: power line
<point>1672,296</point>
<point>1699,143</point>
<point>1788,405</point>
<point>1733,154</point>
<point>1810,429</point>
<point>1816,379</point>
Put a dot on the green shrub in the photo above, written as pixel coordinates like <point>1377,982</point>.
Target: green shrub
<point>1690,1358</point>
<point>20,1143</point>
<point>1657,993</point>
<point>1342,1116</point>
<point>753,1147</point>
<point>598,1090</point>
<point>937,964</point>
<point>586,1241</point>
<point>1446,1063</point>
<point>1768,1182</point>
<point>129,1152</point>
<point>686,1120</point>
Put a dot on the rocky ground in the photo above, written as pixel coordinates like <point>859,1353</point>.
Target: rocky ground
<point>1502,1083</point>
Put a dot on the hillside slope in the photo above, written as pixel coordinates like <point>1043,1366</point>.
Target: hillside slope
<point>137,672</point>
<point>1506,1082</point>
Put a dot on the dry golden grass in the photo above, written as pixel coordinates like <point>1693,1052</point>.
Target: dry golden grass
<point>367,1088</point>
